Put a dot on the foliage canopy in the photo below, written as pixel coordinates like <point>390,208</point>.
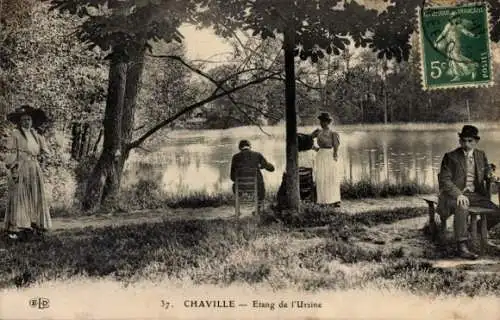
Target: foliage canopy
<point>321,26</point>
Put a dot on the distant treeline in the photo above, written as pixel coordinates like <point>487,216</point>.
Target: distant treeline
<point>372,91</point>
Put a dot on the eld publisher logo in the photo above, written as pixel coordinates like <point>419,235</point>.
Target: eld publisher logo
<point>40,303</point>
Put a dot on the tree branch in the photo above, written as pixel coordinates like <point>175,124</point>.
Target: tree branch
<point>142,126</point>
<point>211,61</point>
<point>236,104</point>
<point>299,81</point>
<point>187,65</point>
<point>245,47</point>
<point>248,117</point>
<point>150,132</point>
<point>144,149</point>
<point>219,85</point>
<point>198,71</point>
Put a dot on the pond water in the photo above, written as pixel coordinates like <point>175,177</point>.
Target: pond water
<point>199,161</point>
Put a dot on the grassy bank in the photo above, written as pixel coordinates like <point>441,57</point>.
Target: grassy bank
<point>148,195</point>
<point>225,252</point>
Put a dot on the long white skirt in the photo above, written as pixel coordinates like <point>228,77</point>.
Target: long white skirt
<point>328,177</point>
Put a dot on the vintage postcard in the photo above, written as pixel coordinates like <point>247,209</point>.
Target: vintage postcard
<point>265,159</point>
<point>455,46</point>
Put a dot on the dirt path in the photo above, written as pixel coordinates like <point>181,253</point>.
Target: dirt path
<point>152,216</point>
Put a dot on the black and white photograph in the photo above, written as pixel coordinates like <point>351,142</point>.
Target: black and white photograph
<point>249,159</point>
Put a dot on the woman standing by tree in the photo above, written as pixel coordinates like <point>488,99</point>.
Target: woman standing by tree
<point>27,207</point>
<point>327,173</point>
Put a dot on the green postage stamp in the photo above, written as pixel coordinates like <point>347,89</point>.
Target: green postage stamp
<point>455,46</point>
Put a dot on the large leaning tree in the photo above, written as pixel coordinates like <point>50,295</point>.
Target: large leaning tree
<point>128,29</point>
<point>310,29</point>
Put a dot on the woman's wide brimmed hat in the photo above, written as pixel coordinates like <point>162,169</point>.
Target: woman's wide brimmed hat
<point>325,116</point>
<point>469,131</point>
<point>37,115</point>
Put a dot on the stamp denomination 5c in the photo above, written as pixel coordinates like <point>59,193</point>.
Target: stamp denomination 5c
<point>455,46</point>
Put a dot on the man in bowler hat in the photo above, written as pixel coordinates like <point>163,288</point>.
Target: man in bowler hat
<point>464,181</point>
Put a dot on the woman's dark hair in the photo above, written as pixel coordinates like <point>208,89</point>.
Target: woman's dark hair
<point>305,142</point>
<point>243,144</point>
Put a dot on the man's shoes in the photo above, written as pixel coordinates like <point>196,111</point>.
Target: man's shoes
<point>464,252</point>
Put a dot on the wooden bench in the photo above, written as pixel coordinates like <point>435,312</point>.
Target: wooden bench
<point>474,213</point>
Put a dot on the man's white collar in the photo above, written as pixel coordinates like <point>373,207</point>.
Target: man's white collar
<point>469,153</point>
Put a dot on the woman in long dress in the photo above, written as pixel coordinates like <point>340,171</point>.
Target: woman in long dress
<point>327,173</point>
<point>27,207</point>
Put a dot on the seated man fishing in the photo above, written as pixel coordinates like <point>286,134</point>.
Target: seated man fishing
<point>464,181</point>
<point>249,159</point>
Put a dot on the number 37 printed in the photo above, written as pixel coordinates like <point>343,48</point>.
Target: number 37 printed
<point>166,304</point>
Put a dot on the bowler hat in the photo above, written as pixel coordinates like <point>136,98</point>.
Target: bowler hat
<point>469,131</point>
<point>38,116</point>
<point>324,116</point>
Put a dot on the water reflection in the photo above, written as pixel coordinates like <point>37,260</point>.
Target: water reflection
<point>201,177</point>
<point>202,163</point>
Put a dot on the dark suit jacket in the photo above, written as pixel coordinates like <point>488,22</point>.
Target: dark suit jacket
<point>251,159</point>
<point>453,174</point>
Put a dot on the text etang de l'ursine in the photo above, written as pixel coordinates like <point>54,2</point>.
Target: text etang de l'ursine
<point>271,305</point>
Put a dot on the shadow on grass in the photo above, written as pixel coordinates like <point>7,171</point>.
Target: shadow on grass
<point>225,251</point>
<point>122,251</point>
<point>171,247</point>
<point>314,215</point>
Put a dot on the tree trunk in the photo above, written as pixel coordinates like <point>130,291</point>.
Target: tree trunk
<point>385,103</point>
<point>292,174</point>
<point>409,109</point>
<point>76,139</point>
<point>96,145</point>
<point>84,141</point>
<point>106,172</point>
<point>133,77</point>
<point>134,74</point>
<point>104,183</point>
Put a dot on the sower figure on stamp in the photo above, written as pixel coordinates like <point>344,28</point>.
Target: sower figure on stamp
<point>450,43</point>
<point>463,182</point>
<point>249,159</point>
